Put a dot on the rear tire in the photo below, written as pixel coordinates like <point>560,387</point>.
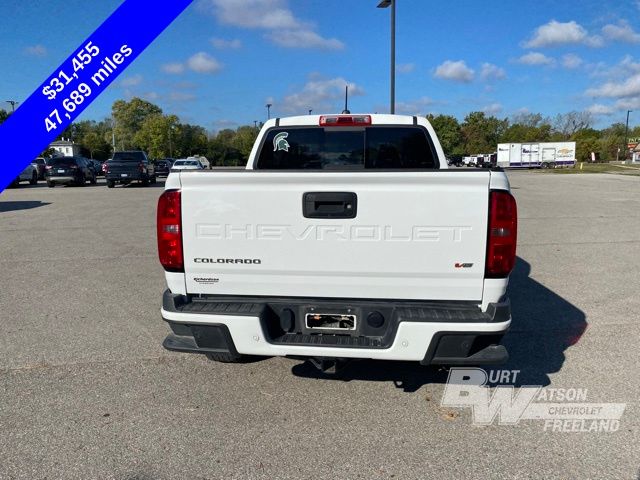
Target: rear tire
<point>111,184</point>
<point>50,184</point>
<point>34,179</point>
<point>145,182</point>
<point>94,179</point>
<point>153,180</point>
<point>82,181</point>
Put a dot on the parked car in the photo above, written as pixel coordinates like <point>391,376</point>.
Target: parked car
<point>163,167</point>
<point>40,165</point>
<point>127,167</point>
<point>29,174</point>
<point>204,161</point>
<point>69,171</point>
<point>186,164</point>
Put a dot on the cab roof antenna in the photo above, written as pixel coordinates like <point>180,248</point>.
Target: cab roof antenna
<point>346,99</point>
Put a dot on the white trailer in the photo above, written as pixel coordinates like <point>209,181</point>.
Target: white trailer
<point>536,155</point>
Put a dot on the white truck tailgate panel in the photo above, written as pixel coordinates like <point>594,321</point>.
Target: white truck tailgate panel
<point>417,235</point>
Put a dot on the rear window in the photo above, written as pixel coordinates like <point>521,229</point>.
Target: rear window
<point>314,148</point>
<point>59,161</point>
<point>128,156</point>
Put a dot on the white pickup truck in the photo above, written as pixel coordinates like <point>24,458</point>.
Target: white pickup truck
<point>346,236</point>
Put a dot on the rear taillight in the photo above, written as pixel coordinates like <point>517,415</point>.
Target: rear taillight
<point>48,167</point>
<point>170,231</point>
<point>344,120</point>
<point>105,168</point>
<point>141,167</point>
<point>73,167</point>
<point>503,229</point>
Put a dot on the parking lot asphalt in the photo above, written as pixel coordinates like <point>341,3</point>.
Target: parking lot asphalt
<point>88,391</point>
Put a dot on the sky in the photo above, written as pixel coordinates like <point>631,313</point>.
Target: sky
<point>222,61</point>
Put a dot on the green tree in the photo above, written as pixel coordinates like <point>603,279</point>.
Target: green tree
<point>244,139</point>
<point>221,150</point>
<point>612,139</point>
<point>449,133</point>
<point>95,144</point>
<point>156,135</point>
<point>481,134</point>
<point>3,115</point>
<point>129,117</point>
<point>587,141</point>
<point>189,140</point>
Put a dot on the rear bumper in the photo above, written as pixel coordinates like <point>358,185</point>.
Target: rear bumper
<point>62,179</point>
<point>412,333</point>
<point>130,176</point>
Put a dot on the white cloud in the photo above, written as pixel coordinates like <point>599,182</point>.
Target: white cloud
<point>626,88</point>
<point>492,109</point>
<point>267,14</point>
<point>414,107</point>
<point>599,109</point>
<point>455,71</point>
<point>628,104</point>
<point>202,62</point>
<point>535,58</point>
<point>626,67</point>
<point>405,67</point>
<point>275,16</point>
<point>223,44</point>
<point>571,61</point>
<point>132,81</point>
<point>319,94</point>
<point>36,50</point>
<point>490,71</point>
<point>622,32</point>
<point>303,39</point>
<point>558,33</point>
<point>173,68</point>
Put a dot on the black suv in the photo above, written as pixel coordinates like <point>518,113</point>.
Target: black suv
<point>163,167</point>
<point>69,171</point>
<point>127,167</point>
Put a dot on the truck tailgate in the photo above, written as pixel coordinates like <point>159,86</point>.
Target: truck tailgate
<point>416,235</point>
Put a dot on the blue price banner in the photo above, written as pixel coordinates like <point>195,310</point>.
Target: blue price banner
<point>81,78</point>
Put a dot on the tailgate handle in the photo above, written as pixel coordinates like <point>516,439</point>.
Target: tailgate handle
<point>329,205</point>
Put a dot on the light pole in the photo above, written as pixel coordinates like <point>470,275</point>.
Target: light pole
<point>113,133</point>
<point>626,136</point>
<point>392,4</point>
<point>13,104</point>
<point>268,110</point>
<point>170,146</point>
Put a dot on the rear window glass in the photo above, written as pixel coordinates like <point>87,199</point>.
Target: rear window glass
<point>128,156</point>
<point>58,161</point>
<point>334,149</point>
